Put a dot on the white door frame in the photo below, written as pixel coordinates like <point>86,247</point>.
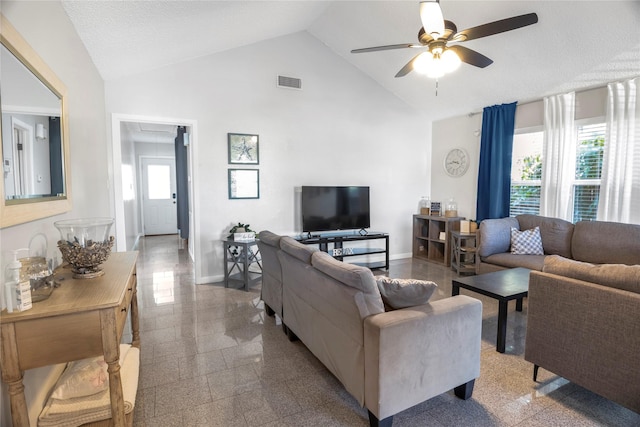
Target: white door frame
<point>25,175</point>
<point>117,204</point>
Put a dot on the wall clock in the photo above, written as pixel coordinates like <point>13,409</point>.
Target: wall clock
<point>456,162</point>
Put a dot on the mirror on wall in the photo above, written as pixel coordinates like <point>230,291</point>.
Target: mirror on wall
<point>35,175</point>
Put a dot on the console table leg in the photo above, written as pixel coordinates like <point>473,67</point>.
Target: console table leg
<point>502,326</point>
<point>12,376</point>
<point>135,320</point>
<point>111,356</point>
<point>519,304</point>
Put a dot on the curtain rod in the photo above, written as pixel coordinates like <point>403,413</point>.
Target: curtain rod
<point>531,101</point>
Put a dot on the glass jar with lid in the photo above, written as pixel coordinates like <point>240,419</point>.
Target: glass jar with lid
<point>425,205</point>
<point>451,209</point>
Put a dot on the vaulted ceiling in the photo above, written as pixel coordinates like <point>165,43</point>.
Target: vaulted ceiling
<point>575,45</point>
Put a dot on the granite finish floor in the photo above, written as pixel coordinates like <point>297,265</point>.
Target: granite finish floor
<point>211,357</point>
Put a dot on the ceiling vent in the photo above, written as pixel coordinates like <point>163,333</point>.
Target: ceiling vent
<point>289,82</point>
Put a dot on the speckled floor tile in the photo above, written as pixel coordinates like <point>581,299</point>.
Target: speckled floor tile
<point>211,357</point>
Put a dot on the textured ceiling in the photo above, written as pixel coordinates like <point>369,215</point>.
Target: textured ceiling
<point>575,45</point>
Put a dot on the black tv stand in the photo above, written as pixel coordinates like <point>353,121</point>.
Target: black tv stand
<point>333,244</point>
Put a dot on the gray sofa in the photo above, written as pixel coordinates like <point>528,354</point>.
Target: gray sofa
<point>271,293</point>
<point>583,323</point>
<point>388,361</point>
<point>589,241</point>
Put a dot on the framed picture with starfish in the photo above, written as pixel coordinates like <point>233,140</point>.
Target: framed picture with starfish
<point>243,149</point>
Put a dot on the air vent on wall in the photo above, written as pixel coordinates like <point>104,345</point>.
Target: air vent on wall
<point>289,82</point>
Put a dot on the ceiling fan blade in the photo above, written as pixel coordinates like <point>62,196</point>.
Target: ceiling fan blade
<point>387,47</point>
<point>471,57</point>
<point>496,27</point>
<point>408,67</point>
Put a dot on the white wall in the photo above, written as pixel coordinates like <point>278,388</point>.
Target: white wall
<point>341,129</point>
<point>461,132</point>
<point>47,29</point>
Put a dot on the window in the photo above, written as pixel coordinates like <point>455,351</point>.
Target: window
<point>589,157</point>
<point>526,171</point>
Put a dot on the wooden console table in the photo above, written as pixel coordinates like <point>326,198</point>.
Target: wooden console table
<point>82,318</point>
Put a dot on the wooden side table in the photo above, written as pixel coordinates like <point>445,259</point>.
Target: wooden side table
<point>241,262</point>
<point>463,252</point>
<point>82,318</point>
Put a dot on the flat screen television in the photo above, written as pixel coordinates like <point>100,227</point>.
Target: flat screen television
<point>335,208</point>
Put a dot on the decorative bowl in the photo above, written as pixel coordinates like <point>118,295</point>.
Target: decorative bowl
<point>85,244</point>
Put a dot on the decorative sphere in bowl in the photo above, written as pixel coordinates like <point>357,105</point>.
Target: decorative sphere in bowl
<point>85,244</point>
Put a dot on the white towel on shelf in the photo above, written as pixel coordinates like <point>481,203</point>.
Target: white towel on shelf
<point>82,410</point>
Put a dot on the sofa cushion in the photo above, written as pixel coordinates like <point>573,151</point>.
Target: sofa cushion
<point>556,233</point>
<point>508,260</point>
<point>603,242</point>
<point>526,242</point>
<point>495,235</point>
<point>620,276</point>
<point>297,249</point>
<point>402,293</point>
<point>355,276</point>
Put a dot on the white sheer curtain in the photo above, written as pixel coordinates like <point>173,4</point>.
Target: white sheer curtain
<point>620,184</point>
<point>558,156</point>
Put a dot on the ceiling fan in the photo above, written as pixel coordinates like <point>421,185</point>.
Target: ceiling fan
<point>436,32</point>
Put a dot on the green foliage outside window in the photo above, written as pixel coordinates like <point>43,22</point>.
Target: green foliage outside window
<point>532,167</point>
<point>525,199</point>
<point>590,157</point>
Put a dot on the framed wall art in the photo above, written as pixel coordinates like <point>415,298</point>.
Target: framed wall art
<point>243,149</point>
<point>244,184</point>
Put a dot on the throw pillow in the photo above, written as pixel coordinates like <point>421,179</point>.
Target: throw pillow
<point>527,242</point>
<point>402,293</point>
<point>85,377</point>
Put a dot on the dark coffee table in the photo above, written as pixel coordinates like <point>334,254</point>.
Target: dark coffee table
<point>503,285</point>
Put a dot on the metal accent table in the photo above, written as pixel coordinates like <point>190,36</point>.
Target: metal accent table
<point>243,256</point>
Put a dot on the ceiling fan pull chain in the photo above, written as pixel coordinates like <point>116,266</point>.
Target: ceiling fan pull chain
<point>436,87</point>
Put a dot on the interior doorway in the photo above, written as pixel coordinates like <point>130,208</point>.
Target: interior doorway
<point>128,207</point>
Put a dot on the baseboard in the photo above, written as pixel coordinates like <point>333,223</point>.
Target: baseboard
<point>207,280</point>
<point>400,256</point>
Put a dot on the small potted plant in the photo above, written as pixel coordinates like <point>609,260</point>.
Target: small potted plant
<point>242,232</point>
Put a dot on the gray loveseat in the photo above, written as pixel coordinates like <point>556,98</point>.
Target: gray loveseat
<point>388,361</point>
<point>596,242</point>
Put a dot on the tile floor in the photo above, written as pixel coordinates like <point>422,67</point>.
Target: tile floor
<point>211,357</point>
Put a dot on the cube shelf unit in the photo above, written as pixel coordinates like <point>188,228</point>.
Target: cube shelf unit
<point>427,243</point>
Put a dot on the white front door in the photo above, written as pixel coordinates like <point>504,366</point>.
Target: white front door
<point>159,196</point>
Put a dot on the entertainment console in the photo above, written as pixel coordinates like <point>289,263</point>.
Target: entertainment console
<point>339,251</point>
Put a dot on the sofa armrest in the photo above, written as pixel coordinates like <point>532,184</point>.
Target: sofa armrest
<point>587,333</point>
<point>419,352</point>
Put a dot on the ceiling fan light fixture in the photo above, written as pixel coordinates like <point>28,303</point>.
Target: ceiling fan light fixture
<point>450,61</point>
<point>432,19</point>
<point>422,63</point>
<point>430,65</point>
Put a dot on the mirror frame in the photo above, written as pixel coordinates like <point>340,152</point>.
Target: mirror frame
<point>31,210</point>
